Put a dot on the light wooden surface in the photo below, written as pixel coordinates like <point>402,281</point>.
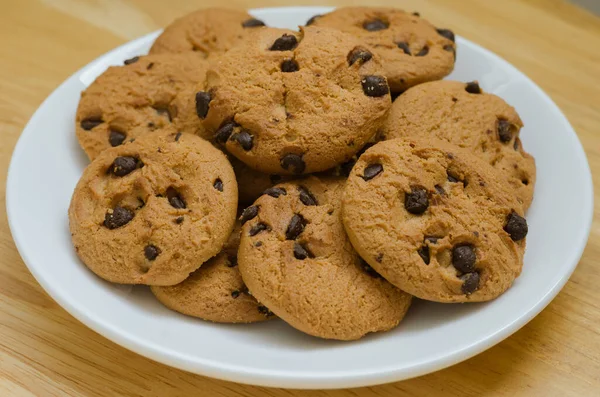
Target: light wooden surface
<point>46,352</point>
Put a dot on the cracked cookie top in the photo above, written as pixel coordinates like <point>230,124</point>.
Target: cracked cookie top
<point>413,51</point>
<point>152,211</point>
<point>206,32</point>
<point>141,96</point>
<point>296,259</point>
<point>290,102</point>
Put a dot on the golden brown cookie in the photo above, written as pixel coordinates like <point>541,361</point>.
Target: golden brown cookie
<point>216,291</point>
<point>434,220</point>
<point>296,102</point>
<point>152,211</point>
<point>129,101</point>
<point>462,114</point>
<point>412,50</point>
<point>296,259</point>
<point>206,32</point>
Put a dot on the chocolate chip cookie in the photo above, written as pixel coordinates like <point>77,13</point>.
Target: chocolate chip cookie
<point>463,114</point>
<point>152,211</point>
<point>296,258</point>
<point>206,32</point>
<point>434,220</point>
<point>296,102</point>
<point>215,292</point>
<point>129,101</point>
<point>412,50</point>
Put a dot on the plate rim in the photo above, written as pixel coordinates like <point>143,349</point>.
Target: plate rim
<point>307,379</point>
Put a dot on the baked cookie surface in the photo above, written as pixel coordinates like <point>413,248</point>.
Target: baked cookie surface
<point>464,115</point>
<point>152,211</point>
<point>216,291</point>
<point>296,259</point>
<point>434,221</point>
<point>206,32</point>
<point>412,50</point>
<point>129,101</point>
<point>296,102</point>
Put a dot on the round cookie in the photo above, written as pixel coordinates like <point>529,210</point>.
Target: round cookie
<point>433,220</point>
<point>296,102</point>
<point>462,114</point>
<point>129,101</point>
<point>215,292</point>
<point>152,211</point>
<point>206,32</point>
<point>296,259</point>
<point>412,50</point>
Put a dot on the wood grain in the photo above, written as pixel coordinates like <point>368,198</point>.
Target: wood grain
<point>46,352</point>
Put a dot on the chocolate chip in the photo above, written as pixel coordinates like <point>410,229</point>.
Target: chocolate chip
<point>416,14</point>
<point>416,202</point>
<point>450,48</point>
<point>175,199</point>
<point>404,47</point>
<point>225,131</point>
<point>463,258</point>
<point>440,190</point>
<point>447,33</point>
<point>371,171</point>
<point>252,23</point>
<point>287,42</point>
<point>275,192</point>
<point>218,184</point>
<point>244,139</point>
<point>289,66</point>
<point>313,19</point>
<point>235,294</point>
<point>131,60</point>
<point>470,282</point>
<point>151,252</point>
<point>249,213</point>
<point>295,227</point>
<point>301,252</point>
<point>504,130</point>
<point>293,163</point>
<point>358,54</point>
<point>516,226</point>
<point>375,86</point>
<point>473,87</point>
<point>177,136</point>
<point>424,51</point>
<point>258,244</point>
<point>263,310</point>
<point>179,220</point>
<point>375,25</point>
<point>118,217</point>
<point>424,254</point>
<point>90,123</point>
<point>453,179</point>
<point>431,239</point>
<point>231,261</point>
<point>150,65</point>
<point>164,112</point>
<point>116,138</point>
<point>203,99</point>
<point>306,196</point>
<point>123,165</point>
<point>516,144</point>
<point>379,258</point>
<point>259,227</point>
<point>368,269</point>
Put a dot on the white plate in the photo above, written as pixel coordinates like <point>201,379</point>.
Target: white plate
<point>47,163</point>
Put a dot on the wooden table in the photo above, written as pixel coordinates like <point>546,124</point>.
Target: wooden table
<point>46,352</point>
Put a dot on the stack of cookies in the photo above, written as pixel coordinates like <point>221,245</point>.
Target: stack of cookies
<point>323,176</point>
